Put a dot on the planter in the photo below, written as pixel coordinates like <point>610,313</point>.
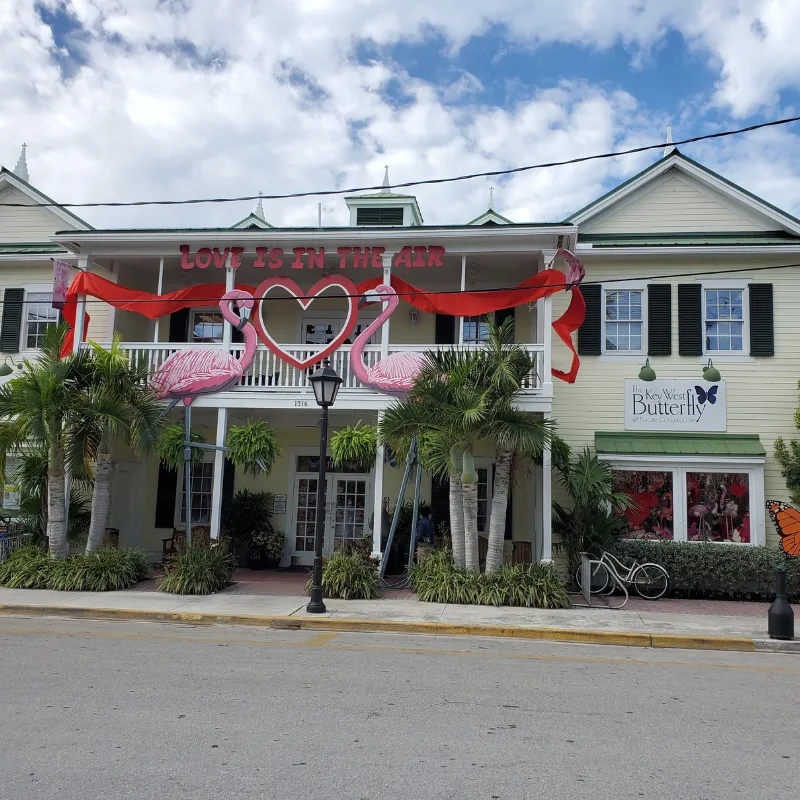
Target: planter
<point>257,563</point>
<point>273,562</point>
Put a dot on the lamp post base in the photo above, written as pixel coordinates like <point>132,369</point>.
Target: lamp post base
<point>316,607</point>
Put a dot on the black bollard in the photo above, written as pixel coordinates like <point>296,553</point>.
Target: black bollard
<point>780,617</point>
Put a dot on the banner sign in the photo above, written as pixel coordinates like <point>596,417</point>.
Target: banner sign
<point>675,405</point>
<point>60,283</point>
<point>313,257</point>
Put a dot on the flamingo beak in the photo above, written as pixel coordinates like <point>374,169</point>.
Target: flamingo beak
<point>369,297</point>
<point>244,317</point>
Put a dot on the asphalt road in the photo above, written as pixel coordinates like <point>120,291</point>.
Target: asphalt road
<point>138,710</point>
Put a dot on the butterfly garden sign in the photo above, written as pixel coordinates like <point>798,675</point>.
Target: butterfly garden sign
<point>675,404</point>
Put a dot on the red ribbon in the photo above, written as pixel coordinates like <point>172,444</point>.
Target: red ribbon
<point>469,303</point>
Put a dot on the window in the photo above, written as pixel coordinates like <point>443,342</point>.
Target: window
<point>718,507</point>
<point>483,499</point>
<point>323,331</point>
<point>475,329</point>
<point>206,326</point>
<point>40,316</point>
<point>623,320</point>
<point>306,515</point>
<point>201,485</point>
<point>723,320</point>
<point>379,215</point>
<point>651,516</point>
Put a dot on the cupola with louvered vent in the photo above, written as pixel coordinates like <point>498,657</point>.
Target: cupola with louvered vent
<point>384,208</point>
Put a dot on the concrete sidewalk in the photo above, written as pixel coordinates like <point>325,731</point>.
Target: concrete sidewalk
<point>600,626</point>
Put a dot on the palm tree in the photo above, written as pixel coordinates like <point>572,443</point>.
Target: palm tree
<point>39,409</point>
<point>119,407</point>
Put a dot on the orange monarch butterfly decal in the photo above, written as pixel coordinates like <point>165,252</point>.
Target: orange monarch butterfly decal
<point>787,522</point>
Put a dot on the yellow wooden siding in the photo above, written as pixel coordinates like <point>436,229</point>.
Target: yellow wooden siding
<point>761,394</point>
<point>27,224</point>
<point>676,202</point>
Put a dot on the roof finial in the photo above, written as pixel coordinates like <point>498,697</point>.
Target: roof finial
<point>259,212</point>
<point>386,183</point>
<point>491,198</point>
<point>670,147</point>
<point>21,170</point>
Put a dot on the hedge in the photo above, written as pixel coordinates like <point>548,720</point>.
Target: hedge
<point>719,571</point>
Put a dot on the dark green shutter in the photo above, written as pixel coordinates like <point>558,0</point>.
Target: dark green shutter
<point>762,325</point>
<point>12,320</point>
<point>503,314</point>
<point>165,497</point>
<point>589,332</point>
<point>690,319</point>
<point>179,326</point>
<point>445,329</point>
<point>659,319</point>
<point>440,500</point>
<point>228,477</point>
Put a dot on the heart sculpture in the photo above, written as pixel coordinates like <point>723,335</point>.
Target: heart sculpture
<point>305,298</point>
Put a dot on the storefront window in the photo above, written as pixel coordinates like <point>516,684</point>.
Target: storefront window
<point>718,507</point>
<point>651,492</point>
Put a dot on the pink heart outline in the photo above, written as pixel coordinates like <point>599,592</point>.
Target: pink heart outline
<point>305,298</point>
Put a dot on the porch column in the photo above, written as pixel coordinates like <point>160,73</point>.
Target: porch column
<point>544,325</point>
<point>80,313</point>
<point>377,503</point>
<point>547,501</point>
<point>463,287</point>
<point>219,470</point>
<point>387,279</point>
<point>230,280</point>
<point>157,329</point>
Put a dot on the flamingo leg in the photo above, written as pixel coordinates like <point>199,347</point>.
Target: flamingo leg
<point>172,404</point>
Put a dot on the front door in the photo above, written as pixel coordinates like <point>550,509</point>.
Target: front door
<point>348,501</point>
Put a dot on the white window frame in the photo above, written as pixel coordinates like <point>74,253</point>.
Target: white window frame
<point>724,356</point>
<point>364,319</point>
<point>487,317</point>
<point>35,288</point>
<point>190,328</point>
<point>622,355</point>
<point>179,524</point>
<point>487,464</point>
<point>680,466</point>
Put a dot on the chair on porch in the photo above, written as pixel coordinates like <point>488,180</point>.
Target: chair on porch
<point>170,548</point>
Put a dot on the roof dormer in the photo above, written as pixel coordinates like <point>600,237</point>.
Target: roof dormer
<point>384,208</point>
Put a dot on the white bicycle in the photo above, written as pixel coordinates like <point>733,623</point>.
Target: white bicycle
<point>650,581</point>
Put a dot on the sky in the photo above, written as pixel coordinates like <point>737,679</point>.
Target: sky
<point>123,100</point>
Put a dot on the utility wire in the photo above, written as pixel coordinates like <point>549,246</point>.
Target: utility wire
<point>428,182</point>
<point>426,292</point>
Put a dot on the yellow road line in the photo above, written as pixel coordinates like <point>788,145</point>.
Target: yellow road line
<point>321,639</point>
<point>316,641</point>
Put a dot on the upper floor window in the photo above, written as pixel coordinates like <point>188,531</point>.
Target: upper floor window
<point>323,331</point>
<point>475,329</point>
<point>724,320</point>
<point>623,321</point>
<point>40,316</point>
<point>206,326</point>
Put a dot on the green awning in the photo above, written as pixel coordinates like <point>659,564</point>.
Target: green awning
<point>30,249</point>
<point>667,443</point>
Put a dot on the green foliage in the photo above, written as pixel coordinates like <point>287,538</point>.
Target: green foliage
<point>104,570</point>
<point>789,459</point>
<point>349,576</point>
<point>268,543</point>
<point>354,445</point>
<point>593,521</point>
<point>253,447</point>
<point>246,522</point>
<point>438,580</point>
<point>198,570</point>
<point>170,446</point>
<point>720,571</point>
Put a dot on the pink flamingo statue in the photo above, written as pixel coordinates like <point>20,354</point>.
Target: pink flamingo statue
<point>205,370</point>
<point>396,373</point>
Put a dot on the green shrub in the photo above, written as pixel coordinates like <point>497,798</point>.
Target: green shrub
<point>720,571</point>
<point>198,570</point>
<point>349,576</point>
<point>438,580</point>
<point>104,570</point>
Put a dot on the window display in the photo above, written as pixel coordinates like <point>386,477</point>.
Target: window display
<point>718,507</point>
<point>651,515</point>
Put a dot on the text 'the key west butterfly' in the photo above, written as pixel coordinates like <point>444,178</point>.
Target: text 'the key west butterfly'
<point>703,395</point>
<point>786,520</point>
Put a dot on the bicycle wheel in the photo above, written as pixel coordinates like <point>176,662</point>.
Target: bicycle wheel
<point>650,581</point>
<point>600,579</point>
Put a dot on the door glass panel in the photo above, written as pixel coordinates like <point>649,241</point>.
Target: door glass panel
<point>718,507</point>
<point>349,513</point>
<point>651,492</point>
<point>306,515</point>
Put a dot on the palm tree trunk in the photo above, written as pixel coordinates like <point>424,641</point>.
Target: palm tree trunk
<point>497,519</point>
<point>457,521</point>
<point>56,503</point>
<point>101,501</point>
<point>470,492</point>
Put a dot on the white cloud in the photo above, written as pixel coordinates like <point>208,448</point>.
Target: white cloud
<point>218,97</point>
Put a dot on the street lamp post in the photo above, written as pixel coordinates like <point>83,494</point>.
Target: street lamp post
<point>325,382</point>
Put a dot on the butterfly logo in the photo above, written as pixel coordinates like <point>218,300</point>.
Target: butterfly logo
<point>703,395</point>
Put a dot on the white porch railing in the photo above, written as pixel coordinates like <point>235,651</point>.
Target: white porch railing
<point>272,374</point>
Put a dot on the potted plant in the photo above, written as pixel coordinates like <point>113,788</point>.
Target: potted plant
<point>246,514</point>
<point>265,547</point>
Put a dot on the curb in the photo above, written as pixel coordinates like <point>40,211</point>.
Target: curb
<point>343,624</point>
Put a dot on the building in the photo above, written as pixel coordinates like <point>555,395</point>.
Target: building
<point>682,267</point>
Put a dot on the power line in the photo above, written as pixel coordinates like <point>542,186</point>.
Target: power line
<point>427,182</point>
<point>425,293</point>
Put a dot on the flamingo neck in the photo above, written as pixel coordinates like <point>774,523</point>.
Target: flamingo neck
<point>357,350</point>
<point>249,332</point>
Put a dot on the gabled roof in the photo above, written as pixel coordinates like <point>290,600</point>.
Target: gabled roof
<point>490,216</point>
<point>677,160</point>
<point>252,220</point>
<point>6,176</point>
